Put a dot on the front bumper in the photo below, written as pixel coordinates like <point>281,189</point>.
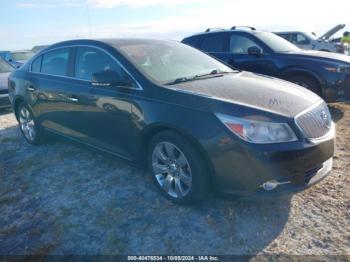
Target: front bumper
<point>288,187</point>
<point>243,169</point>
<point>338,90</point>
<point>4,101</point>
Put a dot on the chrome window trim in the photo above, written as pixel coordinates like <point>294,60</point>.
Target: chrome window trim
<point>138,85</point>
<point>318,140</point>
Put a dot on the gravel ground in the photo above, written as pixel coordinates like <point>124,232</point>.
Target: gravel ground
<point>62,199</point>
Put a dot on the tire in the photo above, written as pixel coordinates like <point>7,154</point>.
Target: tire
<point>28,125</point>
<point>307,83</point>
<point>182,177</point>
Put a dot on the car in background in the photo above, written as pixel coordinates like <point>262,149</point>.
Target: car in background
<point>6,55</point>
<point>326,74</point>
<point>5,71</point>
<point>309,41</point>
<point>195,122</point>
<point>20,57</point>
<point>38,48</point>
<point>16,58</point>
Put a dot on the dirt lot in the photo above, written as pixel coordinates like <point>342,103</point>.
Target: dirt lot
<point>61,199</point>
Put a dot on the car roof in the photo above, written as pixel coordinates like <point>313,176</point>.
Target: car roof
<point>288,32</point>
<point>225,31</point>
<point>114,42</point>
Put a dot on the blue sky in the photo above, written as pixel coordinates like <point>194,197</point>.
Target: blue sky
<point>25,23</point>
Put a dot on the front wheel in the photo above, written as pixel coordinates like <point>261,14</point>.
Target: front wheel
<point>28,125</point>
<point>307,83</point>
<point>177,168</point>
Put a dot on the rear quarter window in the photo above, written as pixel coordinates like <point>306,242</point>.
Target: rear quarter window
<point>55,62</point>
<point>192,41</point>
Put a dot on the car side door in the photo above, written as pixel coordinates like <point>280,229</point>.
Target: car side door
<point>105,115</point>
<point>245,52</point>
<point>214,44</point>
<point>50,85</point>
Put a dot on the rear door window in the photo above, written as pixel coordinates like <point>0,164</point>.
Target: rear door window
<point>213,43</point>
<point>56,62</point>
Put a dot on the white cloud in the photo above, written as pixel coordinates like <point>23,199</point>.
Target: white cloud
<point>106,3</point>
<point>138,3</point>
<point>48,4</point>
<point>267,15</point>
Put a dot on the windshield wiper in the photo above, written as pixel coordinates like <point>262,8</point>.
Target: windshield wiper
<point>213,73</point>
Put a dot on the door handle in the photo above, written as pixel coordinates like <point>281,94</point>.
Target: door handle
<point>73,99</point>
<point>30,88</point>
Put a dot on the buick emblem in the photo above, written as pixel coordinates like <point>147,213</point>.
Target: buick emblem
<point>326,120</point>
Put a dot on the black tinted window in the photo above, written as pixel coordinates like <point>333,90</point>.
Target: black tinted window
<point>285,36</point>
<point>91,60</point>
<point>56,62</point>
<point>213,43</point>
<point>36,65</point>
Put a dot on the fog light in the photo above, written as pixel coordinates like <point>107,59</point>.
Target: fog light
<point>272,184</point>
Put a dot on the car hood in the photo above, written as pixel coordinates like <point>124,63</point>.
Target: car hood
<point>3,80</point>
<point>255,91</point>
<point>319,55</point>
<point>332,31</point>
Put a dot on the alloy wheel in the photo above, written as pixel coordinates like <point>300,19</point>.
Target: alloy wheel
<point>171,169</point>
<point>27,124</point>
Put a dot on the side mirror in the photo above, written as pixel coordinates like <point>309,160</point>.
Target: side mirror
<point>110,78</point>
<point>254,50</point>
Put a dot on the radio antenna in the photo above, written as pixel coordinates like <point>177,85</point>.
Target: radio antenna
<point>88,17</point>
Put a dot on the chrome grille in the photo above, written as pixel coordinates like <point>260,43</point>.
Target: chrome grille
<point>315,122</point>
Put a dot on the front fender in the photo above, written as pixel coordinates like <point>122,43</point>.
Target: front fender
<point>292,71</point>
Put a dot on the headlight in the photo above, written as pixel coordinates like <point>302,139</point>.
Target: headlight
<point>338,69</point>
<point>259,132</point>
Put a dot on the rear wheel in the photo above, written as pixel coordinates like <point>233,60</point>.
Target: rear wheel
<point>177,168</point>
<point>28,125</point>
<point>306,82</point>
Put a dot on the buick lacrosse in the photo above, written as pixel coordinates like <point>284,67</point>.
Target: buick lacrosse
<point>196,123</point>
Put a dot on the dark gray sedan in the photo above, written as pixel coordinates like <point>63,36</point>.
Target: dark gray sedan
<point>195,122</point>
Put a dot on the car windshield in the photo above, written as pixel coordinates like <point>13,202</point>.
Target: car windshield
<point>276,43</point>
<point>22,56</point>
<point>5,67</point>
<point>166,61</point>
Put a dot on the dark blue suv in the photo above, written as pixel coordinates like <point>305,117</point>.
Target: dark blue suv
<point>327,74</point>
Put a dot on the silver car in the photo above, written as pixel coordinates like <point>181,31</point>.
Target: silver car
<point>310,41</point>
<point>5,70</point>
